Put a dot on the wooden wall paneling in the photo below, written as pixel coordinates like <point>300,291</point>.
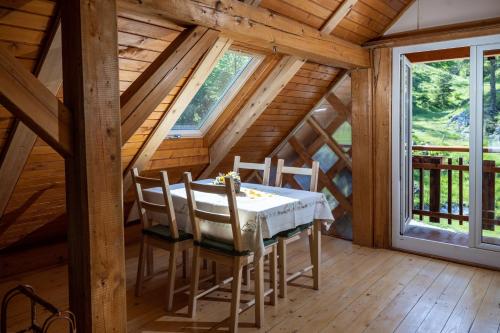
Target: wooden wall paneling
<point>362,158</point>
<point>146,92</point>
<point>280,34</point>
<point>29,100</point>
<point>382,91</point>
<point>23,138</point>
<point>93,173</point>
<point>170,117</point>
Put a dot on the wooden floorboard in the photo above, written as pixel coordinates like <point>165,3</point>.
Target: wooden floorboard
<point>364,290</point>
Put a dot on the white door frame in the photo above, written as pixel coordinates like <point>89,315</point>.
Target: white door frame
<point>473,253</point>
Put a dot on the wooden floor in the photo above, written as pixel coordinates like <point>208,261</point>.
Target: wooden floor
<point>364,290</point>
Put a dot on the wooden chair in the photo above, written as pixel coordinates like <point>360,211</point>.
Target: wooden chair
<point>165,237</point>
<point>292,235</point>
<point>232,254</point>
<point>265,167</point>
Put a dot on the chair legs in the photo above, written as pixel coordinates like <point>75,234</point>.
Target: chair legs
<point>140,270</point>
<point>195,277</point>
<point>185,264</point>
<point>172,268</point>
<point>283,272</point>
<point>236,293</point>
<point>282,266</point>
<point>273,274</point>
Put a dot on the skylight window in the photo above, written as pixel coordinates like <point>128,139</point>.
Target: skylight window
<point>219,88</point>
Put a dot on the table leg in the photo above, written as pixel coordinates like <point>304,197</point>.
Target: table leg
<point>259,292</point>
<point>317,254</point>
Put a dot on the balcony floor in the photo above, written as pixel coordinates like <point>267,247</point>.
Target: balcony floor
<point>364,290</point>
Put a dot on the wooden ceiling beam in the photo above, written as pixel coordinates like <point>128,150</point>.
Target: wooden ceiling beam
<point>170,117</point>
<point>23,138</point>
<point>438,34</point>
<point>257,26</point>
<point>29,100</point>
<point>151,87</point>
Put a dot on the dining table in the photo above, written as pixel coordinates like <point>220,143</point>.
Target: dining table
<point>264,212</point>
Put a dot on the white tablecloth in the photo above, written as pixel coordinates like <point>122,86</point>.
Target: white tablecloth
<point>264,211</point>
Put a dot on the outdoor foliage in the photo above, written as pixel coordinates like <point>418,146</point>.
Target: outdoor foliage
<point>441,117</point>
<point>223,76</point>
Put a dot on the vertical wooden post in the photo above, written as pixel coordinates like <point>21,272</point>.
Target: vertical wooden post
<point>93,173</point>
<point>434,187</point>
<point>362,157</point>
<point>382,91</point>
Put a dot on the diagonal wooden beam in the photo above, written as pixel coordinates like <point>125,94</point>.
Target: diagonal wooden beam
<point>175,110</point>
<point>329,141</point>
<point>339,14</point>
<point>251,111</point>
<point>338,106</point>
<point>23,138</point>
<point>151,87</point>
<point>29,100</point>
<point>341,76</point>
<point>306,157</point>
<point>260,27</point>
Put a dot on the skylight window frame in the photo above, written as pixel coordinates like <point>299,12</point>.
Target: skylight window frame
<point>228,96</point>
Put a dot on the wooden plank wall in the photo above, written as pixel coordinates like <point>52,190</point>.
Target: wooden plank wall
<point>23,28</point>
<point>367,19</point>
<point>281,116</point>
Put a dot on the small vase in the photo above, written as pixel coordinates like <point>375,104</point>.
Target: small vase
<point>237,187</point>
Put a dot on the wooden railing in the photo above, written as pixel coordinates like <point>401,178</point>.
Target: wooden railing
<point>435,165</point>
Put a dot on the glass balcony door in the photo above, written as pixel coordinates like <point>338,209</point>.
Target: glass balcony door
<point>487,144</point>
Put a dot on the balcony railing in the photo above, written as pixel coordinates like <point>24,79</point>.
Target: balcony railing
<point>450,167</point>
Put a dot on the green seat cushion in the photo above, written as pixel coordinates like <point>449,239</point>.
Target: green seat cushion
<point>270,241</point>
<point>295,231</point>
<point>228,248</point>
<point>163,232</point>
<point>219,246</point>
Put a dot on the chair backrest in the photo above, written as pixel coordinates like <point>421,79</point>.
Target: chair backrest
<point>313,172</point>
<point>197,214</point>
<point>141,183</point>
<point>265,167</point>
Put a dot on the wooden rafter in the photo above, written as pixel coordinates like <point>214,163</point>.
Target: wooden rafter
<point>339,14</point>
<point>251,111</point>
<point>23,138</point>
<point>437,34</point>
<point>29,100</point>
<point>151,87</point>
<point>175,110</point>
<point>260,27</point>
